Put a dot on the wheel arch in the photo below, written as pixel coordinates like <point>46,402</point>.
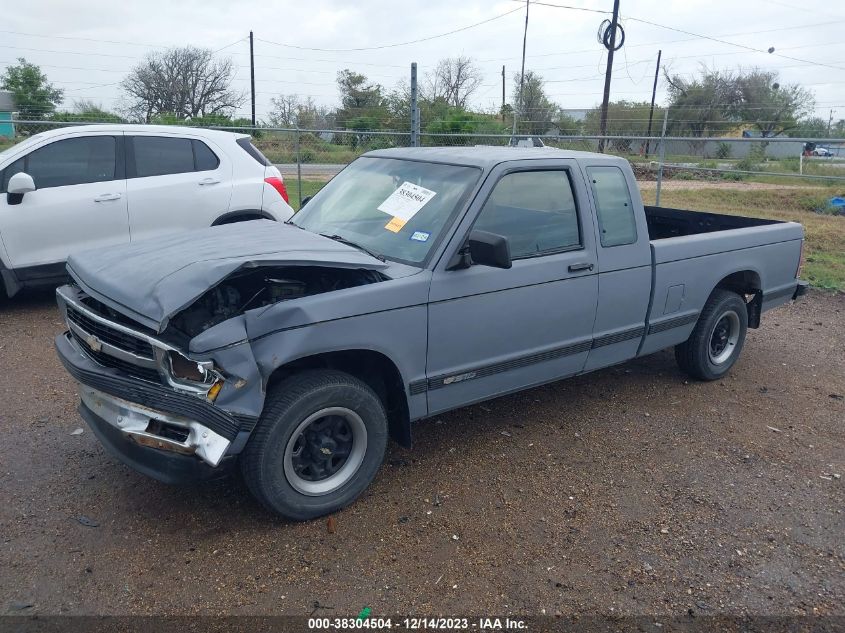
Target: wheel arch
<point>374,368</point>
<point>242,215</point>
<point>746,282</point>
<point>9,284</point>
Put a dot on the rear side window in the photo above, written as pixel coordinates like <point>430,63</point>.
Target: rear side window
<point>161,155</point>
<point>535,210</point>
<point>204,158</point>
<point>613,206</point>
<point>72,161</point>
<point>247,146</point>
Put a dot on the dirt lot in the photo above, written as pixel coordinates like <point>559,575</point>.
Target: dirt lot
<point>628,491</point>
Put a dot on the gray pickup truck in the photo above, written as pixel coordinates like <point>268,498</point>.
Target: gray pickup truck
<point>417,281</point>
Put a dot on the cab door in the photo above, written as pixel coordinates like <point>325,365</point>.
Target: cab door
<point>624,263</point>
<point>492,330</point>
<point>79,202</point>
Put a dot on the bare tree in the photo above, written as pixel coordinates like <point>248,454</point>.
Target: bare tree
<point>292,111</point>
<point>185,82</point>
<point>285,110</point>
<point>454,81</point>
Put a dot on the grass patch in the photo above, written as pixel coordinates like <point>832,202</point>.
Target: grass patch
<point>824,248</point>
<point>309,188</point>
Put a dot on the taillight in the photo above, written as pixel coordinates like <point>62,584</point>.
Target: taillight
<point>800,261</point>
<point>279,185</point>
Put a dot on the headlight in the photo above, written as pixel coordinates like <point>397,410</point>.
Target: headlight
<point>183,368</point>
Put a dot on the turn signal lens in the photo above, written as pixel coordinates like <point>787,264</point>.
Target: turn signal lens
<point>215,389</point>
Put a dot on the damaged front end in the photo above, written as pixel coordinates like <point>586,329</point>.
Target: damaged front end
<point>143,387</point>
<point>162,408</point>
<point>259,287</point>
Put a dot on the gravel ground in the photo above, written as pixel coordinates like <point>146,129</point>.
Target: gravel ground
<point>627,491</point>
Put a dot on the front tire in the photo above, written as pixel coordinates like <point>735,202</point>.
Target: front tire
<point>318,444</point>
<point>717,340</point>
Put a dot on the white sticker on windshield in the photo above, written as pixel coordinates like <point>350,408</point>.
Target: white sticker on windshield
<point>406,201</point>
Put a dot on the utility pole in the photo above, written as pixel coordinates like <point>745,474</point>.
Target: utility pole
<point>653,95</point>
<point>503,93</point>
<point>415,108</point>
<point>522,75</point>
<point>829,122</point>
<point>607,74</point>
<point>252,77</point>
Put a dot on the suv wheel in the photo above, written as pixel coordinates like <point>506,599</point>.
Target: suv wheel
<point>716,342</point>
<point>318,444</point>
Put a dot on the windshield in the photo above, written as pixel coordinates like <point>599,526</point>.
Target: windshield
<point>392,207</point>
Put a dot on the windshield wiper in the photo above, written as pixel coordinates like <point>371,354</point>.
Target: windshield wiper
<point>364,249</point>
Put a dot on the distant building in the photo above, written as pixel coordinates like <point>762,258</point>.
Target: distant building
<point>7,106</point>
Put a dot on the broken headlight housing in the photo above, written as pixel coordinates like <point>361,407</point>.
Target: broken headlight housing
<point>183,368</point>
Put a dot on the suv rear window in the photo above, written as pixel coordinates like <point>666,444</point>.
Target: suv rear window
<point>252,150</point>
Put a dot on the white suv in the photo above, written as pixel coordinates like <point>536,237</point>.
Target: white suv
<point>77,188</point>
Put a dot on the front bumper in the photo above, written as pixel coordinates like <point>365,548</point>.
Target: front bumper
<point>170,468</point>
<point>150,426</point>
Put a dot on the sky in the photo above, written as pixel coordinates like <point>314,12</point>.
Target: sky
<point>87,48</point>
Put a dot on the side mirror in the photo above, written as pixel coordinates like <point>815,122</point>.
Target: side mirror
<point>305,201</point>
<point>19,184</point>
<point>489,249</point>
<point>483,249</point>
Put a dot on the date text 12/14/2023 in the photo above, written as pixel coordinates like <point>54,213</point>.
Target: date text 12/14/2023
<point>419,623</point>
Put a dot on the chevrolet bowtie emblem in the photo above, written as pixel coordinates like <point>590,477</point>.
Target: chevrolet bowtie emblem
<point>94,343</point>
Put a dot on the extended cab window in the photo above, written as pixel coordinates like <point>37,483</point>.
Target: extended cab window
<point>613,206</point>
<point>72,161</point>
<point>535,210</point>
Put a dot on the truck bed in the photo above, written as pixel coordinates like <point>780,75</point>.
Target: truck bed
<point>664,222</point>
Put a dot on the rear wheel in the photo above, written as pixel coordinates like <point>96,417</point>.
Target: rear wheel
<point>717,340</point>
<point>317,446</point>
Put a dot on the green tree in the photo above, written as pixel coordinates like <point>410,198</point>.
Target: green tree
<point>462,125</point>
<point>624,118</point>
<point>702,106</point>
<point>85,110</point>
<point>359,99</point>
<point>535,112</point>
<point>810,127</point>
<point>568,125</point>
<point>35,97</point>
<point>768,106</point>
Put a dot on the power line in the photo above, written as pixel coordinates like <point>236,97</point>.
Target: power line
<point>383,46</point>
<point>83,39</point>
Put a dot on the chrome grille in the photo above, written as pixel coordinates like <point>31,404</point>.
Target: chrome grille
<point>122,340</point>
<point>126,367</point>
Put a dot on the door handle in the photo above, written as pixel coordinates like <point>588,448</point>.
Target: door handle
<point>574,268</point>
<point>208,181</point>
<point>107,196</point>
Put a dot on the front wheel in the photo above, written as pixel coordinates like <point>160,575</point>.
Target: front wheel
<point>716,342</point>
<point>318,444</point>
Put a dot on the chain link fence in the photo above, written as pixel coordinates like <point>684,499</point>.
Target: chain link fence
<point>310,157</point>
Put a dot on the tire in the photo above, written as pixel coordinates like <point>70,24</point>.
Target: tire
<point>306,416</point>
<point>708,354</point>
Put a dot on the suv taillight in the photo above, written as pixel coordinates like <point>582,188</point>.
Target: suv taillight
<point>279,185</point>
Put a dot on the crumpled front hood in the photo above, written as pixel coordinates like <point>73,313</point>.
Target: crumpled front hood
<point>152,280</point>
